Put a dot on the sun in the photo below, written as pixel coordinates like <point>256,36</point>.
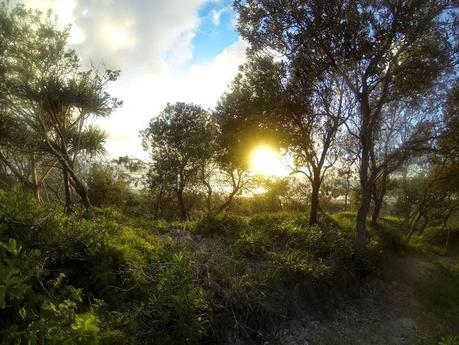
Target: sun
<point>265,161</point>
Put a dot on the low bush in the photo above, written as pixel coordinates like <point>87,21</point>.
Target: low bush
<point>223,225</point>
<point>107,278</point>
<point>87,279</point>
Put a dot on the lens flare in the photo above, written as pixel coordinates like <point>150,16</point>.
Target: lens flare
<point>265,161</point>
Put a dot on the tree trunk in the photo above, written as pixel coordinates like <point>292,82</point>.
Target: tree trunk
<point>314,212</point>
<point>346,195</point>
<point>181,201</point>
<point>365,183</point>
<point>35,184</point>
<point>424,225</point>
<point>82,191</point>
<point>68,194</point>
<point>378,202</point>
<point>223,206</point>
<point>158,201</point>
<point>209,199</point>
<point>413,227</point>
<point>78,185</point>
<point>406,203</point>
<point>361,227</point>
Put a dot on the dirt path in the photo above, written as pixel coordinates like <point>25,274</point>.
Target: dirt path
<point>387,311</point>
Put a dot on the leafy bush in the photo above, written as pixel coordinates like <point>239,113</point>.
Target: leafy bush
<point>391,236</point>
<point>36,309</point>
<point>293,247</point>
<point>100,279</point>
<point>451,340</point>
<point>98,259</point>
<point>176,311</point>
<point>226,225</point>
<point>347,220</point>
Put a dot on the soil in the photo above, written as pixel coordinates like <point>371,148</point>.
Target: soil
<point>388,310</point>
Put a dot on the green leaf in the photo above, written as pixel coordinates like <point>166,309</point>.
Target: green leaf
<point>23,313</point>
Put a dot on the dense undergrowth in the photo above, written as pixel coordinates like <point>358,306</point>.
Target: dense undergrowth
<point>107,278</point>
<point>102,278</point>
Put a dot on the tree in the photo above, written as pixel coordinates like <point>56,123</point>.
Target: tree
<point>434,196</point>
<point>107,185</point>
<point>48,99</point>
<point>383,50</point>
<point>180,138</point>
<point>406,132</point>
<point>315,130</point>
<point>294,106</point>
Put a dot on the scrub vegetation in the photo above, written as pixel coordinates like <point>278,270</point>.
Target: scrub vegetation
<point>318,203</point>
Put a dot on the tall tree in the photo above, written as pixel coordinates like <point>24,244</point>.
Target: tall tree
<point>295,106</point>
<point>405,132</point>
<point>48,98</point>
<point>383,50</point>
<point>180,138</point>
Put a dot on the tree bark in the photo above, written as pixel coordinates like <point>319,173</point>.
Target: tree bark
<point>414,225</point>
<point>424,225</point>
<point>181,202</point>
<point>365,183</point>
<point>314,212</point>
<point>378,198</point>
<point>68,194</point>
<point>35,184</point>
<point>158,201</point>
<point>83,193</point>
<point>78,185</point>
<point>346,195</point>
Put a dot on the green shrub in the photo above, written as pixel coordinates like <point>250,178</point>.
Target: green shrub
<point>35,309</point>
<point>451,340</point>
<point>391,237</point>
<point>347,220</point>
<point>226,225</point>
<point>176,310</point>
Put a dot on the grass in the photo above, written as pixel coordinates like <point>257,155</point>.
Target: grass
<point>221,277</point>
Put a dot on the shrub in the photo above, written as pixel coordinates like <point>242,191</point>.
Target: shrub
<point>391,237</point>
<point>36,309</point>
<point>347,220</point>
<point>451,340</point>
<point>227,225</point>
<point>176,310</point>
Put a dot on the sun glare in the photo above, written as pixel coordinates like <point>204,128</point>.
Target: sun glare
<point>265,161</point>
<point>118,35</point>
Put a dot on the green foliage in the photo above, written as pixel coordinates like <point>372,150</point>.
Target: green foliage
<point>455,270</point>
<point>346,220</point>
<point>38,311</point>
<point>99,259</point>
<point>391,235</point>
<point>440,292</point>
<point>294,247</point>
<point>450,340</point>
<point>225,225</point>
<point>107,186</point>
<point>176,311</point>
<point>48,98</point>
<point>182,139</point>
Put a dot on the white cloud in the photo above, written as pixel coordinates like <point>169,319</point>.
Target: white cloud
<point>149,41</point>
<point>182,48</point>
<point>216,15</point>
<point>147,94</point>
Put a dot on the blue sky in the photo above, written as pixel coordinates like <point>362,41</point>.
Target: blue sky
<point>215,32</point>
<point>168,51</point>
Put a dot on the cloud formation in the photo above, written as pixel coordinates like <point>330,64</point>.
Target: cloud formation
<point>152,43</point>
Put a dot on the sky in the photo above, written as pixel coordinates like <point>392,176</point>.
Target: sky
<point>167,51</point>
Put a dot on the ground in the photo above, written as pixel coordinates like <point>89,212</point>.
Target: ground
<point>390,310</point>
<point>393,306</point>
